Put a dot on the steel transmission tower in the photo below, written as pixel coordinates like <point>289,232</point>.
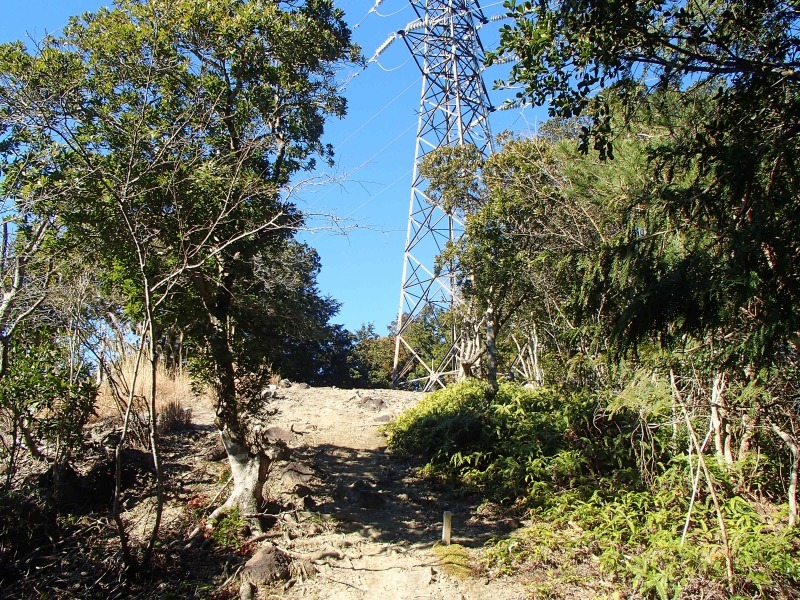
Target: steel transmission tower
<point>454,109</point>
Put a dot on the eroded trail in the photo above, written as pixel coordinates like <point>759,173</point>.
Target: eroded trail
<point>368,524</point>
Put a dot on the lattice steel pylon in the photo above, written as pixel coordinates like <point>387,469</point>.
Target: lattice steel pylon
<point>454,110</point>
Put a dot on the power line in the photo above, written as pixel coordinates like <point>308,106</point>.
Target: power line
<point>389,70</point>
<point>383,191</point>
<point>374,9</point>
<point>378,113</point>
<point>397,12</point>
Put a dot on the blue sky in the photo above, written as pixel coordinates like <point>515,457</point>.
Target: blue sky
<point>362,256</point>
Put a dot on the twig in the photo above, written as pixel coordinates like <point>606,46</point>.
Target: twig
<point>218,494</point>
<point>694,485</point>
<point>264,536</point>
<point>314,556</point>
<point>350,585</point>
<point>232,577</point>
<point>197,530</point>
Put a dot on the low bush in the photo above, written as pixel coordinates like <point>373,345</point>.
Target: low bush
<point>593,502</point>
<point>517,443</point>
<point>173,417</point>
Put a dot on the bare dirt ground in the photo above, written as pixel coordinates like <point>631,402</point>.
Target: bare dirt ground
<point>365,517</point>
<point>352,521</point>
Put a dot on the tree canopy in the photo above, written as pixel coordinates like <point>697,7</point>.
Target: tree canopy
<point>166,134</point>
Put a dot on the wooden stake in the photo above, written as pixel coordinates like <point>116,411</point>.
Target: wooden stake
<point>447,526</point>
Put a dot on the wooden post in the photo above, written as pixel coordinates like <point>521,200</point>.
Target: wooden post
<point>447,526</point>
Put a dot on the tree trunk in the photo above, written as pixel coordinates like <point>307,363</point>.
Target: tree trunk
<point>794,448</point>
<point>249,458</point>
<point>719,419</point>
<point>249,472</point>
<point>538,374</point>
<point>491,348</point>
<point>793,474</point>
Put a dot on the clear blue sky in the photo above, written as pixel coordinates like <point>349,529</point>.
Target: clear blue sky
<point>374,145</point>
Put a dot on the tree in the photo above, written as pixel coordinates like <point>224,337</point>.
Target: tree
<point>540,219</point>
<point>728,104</point>
<point>185,122</point>
<point>282,320</point>
<point>711,267</point>
<point>373,357</point>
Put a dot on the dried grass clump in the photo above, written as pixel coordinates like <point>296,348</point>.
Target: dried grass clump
<point>173,417</point>
<point>172,387</point>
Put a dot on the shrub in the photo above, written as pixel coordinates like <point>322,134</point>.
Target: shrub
<point>636,536</point>
<point>43,400</point>
<point>576,466</point>
<point>512,445</point>
<point>173,417</point>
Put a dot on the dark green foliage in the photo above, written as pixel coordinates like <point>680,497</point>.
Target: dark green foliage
<point>714,89</point>
<point>43,400</point>
<point>518,443</point>
<point>372,358</point>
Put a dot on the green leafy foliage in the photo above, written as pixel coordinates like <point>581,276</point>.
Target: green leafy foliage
<point>638,536</point>
<point>43,400</point>
<point>583,477</point>
<point>372,358</point>
<point>520,443</point>
<point>228,530</point>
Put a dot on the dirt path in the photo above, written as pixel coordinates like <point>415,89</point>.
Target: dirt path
<point>374,522</point>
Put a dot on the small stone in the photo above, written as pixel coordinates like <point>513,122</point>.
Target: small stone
<point>278,434</point>
<point>296,473</point>
<point>372,403</point>
<point>267,565</point>
<point>217,451</point>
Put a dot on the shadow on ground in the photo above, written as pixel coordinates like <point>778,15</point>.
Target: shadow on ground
<point>381,496</point>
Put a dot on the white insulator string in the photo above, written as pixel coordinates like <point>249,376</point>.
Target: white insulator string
<point>383,47</point>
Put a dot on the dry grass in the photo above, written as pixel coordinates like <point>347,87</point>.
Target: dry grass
<point>172,389</point>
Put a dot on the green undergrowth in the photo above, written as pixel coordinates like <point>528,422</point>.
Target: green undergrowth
<point>520,444</point>
<point>595,512</point>
<point>228,532</point>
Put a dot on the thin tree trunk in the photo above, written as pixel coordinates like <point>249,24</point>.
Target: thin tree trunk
<point>794,448</point>
<point>131,564</point>
<point>154,449</point>
<point>249,464</point>
<point>719,419</point>
<point>491,348</point>
<point>711,489</point>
